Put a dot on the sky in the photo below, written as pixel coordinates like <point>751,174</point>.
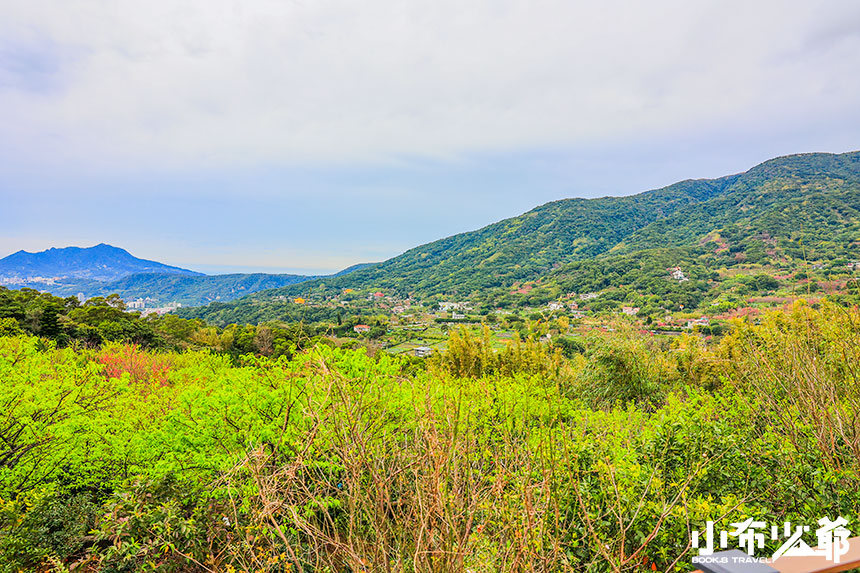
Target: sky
<point>308,136</point>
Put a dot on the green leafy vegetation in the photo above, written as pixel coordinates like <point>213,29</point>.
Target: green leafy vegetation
<point>594,453</point>
<point>99,320</point>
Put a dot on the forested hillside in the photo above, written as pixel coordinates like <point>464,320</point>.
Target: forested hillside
<point>526,246</point>
<point>786,209</point>
<point>781,215</point>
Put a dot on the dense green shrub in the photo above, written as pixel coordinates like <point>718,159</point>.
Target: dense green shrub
<point>45,527</point>
<point>121,459</point>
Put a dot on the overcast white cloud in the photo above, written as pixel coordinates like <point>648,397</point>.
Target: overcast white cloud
<point>92,90</point>
<point>208,82</point>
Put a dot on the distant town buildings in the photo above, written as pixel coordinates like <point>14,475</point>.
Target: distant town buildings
<point>588,295</point>
<point>423,351</point>
<point>555,306</point>
<point>630,310</point>
<point>160,310</point>
<point>361,328</point>
<point>148,305</point>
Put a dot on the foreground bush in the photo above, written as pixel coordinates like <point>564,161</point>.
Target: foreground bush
<point>123,460</point>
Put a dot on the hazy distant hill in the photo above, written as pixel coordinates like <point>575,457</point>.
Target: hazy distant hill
<point>104,270</point>
<point>101,263</point>
<point>186,289</point>
<point>782,211</point>
<point>197,290</point>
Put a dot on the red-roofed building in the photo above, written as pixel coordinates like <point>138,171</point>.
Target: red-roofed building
<point>361,328</point>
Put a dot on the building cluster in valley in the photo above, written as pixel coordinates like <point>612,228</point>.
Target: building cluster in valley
<point>400,323</point>
<point>148,305</point>
<point>406,311</point>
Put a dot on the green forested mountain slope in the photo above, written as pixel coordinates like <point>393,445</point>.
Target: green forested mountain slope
<point>523,247</point>
<point>766,212</point>
<point>801,207</point>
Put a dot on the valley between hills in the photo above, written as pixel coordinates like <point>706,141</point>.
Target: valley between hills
<point>690,256</point>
